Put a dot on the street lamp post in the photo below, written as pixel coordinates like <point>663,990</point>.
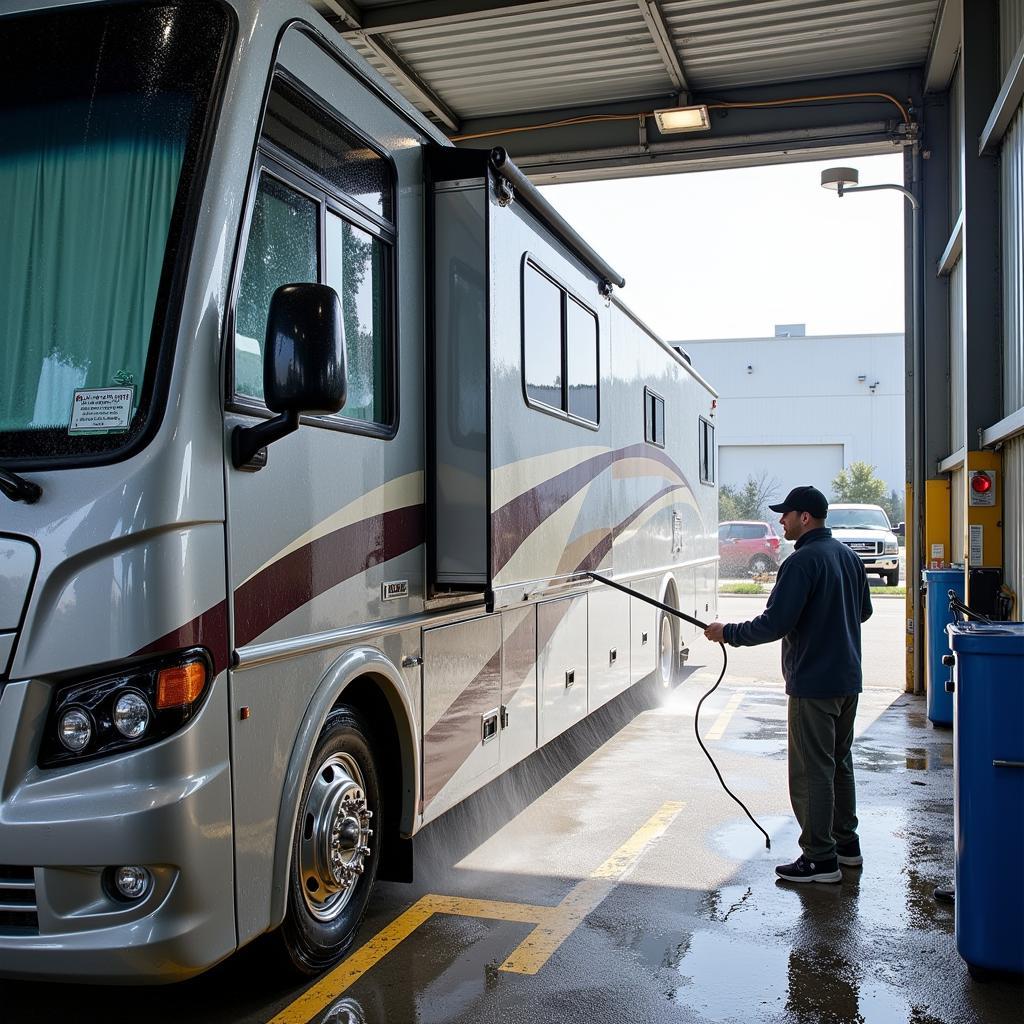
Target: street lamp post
<point>844,180</point>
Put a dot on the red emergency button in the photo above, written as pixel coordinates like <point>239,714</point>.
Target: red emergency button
<point>981,483</point>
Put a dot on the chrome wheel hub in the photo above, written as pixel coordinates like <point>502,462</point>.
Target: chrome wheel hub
<point>334,838</point>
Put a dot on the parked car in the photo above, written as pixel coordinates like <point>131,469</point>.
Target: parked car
<point>865,530</point>
<point>747,546</point>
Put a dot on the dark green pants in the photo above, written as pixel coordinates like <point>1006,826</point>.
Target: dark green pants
<point>821,785</point>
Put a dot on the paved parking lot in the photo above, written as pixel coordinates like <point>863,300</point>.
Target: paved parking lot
<point>610,879</point>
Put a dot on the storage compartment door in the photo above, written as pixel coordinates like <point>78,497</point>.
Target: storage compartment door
<point>518,684</point>
<point>643,640</point>
<point>461,709</point>
<point>562,664</point>
<point>608,641</point>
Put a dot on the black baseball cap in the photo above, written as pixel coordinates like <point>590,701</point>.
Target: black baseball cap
<point>804,499</point>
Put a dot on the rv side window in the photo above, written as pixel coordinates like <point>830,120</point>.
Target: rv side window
<point>707,451</point>
<point>654,418</point>
<point>560,337</point>
<point>321,213</point>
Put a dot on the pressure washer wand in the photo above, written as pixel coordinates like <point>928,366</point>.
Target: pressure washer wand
<point>696,716</point>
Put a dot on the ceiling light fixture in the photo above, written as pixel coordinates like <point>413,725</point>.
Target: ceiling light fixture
<point>683,119</point>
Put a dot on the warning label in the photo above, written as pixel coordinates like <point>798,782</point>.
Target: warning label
<point>101,410</point>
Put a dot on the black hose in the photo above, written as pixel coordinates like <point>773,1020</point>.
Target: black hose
<point>696,717</point>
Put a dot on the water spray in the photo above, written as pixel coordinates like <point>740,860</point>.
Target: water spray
<point>696,717</point>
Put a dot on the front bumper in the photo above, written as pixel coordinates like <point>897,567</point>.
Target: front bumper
<point>880,563</point>
<point>167,807</point>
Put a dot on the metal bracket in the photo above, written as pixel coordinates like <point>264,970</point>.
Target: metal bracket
<point>505,192</point>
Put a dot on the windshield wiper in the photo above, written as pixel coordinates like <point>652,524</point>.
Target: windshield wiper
<point>17,488</point>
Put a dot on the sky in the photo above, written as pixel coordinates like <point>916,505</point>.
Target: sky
<point>730,254</point>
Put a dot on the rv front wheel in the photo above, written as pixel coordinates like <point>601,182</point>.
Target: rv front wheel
<point>334,851</point>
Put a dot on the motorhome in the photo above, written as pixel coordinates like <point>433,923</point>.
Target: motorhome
<point>311,426</point>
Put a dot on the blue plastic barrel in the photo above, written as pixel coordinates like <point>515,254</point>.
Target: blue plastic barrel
<point>988,797</point>
<point>938,583</point>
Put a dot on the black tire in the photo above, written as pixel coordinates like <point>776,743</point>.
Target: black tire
<point>892,579</point>
<point>667,671</point>
<point>761,563</point>
<point>334,850</point>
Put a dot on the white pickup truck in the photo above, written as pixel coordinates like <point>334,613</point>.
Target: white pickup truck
<point>866,531</point>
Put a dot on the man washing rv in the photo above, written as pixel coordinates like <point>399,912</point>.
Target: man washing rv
<point>816,608</point>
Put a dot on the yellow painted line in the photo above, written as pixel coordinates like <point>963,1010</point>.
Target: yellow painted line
<point>536,949</point>
<point>554,924</point>
<point>350,970</point>
<point>722,721</point>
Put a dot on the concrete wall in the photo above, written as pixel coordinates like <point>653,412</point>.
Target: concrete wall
<point>801,408</point>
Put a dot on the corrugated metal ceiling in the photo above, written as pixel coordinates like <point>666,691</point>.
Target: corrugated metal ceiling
<point>463,60</point>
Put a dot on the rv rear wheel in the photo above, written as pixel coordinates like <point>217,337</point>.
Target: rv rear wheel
<point>334,851</point>
<point>668,649</point>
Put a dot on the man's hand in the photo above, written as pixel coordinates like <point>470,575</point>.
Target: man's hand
<point>716,632</point>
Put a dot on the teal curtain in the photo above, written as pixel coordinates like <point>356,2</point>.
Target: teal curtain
<point>86,194</point>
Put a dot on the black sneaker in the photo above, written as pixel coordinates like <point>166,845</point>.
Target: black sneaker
<point>849,853</point>
<point>804,870</point>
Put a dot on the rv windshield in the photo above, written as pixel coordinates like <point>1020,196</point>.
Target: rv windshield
<point>101,110</point>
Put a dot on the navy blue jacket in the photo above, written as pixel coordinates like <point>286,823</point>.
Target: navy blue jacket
<point>821,597</point>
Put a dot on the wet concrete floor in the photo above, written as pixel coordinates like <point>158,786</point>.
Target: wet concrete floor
<point>679,922</point>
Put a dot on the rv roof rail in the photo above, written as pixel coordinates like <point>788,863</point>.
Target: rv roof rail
<point>528,192</point>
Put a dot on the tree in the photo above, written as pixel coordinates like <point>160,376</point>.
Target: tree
<point>858,485</point>
<point>749,501</point>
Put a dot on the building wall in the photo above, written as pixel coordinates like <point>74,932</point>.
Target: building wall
<point>800,408</point>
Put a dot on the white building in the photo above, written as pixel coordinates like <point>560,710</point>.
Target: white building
<point>799,409</point>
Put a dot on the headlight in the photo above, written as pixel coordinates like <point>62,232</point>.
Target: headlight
<point>144,702</point>
<point>891,547</point>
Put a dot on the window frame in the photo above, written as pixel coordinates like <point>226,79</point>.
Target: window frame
<point>528,261</point>
<point>706,435</point>
<point>272,159</point>
<point>651,393</point>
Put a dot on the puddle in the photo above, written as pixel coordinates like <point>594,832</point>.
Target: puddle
<point>917,759</point>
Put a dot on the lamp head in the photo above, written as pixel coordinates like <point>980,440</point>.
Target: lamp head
<point>838,178</point>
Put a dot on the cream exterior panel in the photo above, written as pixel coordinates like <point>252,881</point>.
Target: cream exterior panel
<point>957,516</point>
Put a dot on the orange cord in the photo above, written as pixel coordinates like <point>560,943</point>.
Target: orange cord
<point>719,105</point>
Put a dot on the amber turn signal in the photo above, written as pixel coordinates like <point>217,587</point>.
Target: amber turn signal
<point>180,685</point>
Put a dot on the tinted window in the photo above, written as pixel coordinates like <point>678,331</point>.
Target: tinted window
<point>707,452</point>
<point>296,205</point>
<point>282,249</point>
<point>542,333</point>
<point>560,336</point>
<point>581,360</point>
<point>355,269</point>
<point>654,418</point>
<point>329,149</point>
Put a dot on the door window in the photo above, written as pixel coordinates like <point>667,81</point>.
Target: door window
<point>322,214</point>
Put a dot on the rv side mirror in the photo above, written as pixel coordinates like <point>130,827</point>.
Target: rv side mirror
<point>304,369</point>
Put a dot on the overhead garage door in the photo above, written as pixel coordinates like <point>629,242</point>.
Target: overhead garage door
<point>789,464</point>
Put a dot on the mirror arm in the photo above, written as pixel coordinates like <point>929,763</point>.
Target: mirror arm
<point>247,441</point>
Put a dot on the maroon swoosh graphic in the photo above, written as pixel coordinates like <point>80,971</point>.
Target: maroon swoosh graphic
<point>209,630</point>
<point>597,554</point>
<point>309,571</point>
<point>517,519</point>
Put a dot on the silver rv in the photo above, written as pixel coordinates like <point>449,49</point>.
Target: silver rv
<point>311,426</point>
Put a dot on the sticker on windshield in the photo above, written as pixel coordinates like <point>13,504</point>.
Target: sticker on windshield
<point>101,410</point>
